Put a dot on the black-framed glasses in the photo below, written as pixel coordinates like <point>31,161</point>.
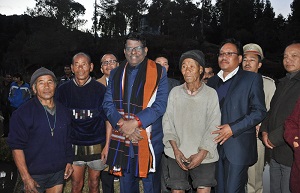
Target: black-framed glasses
<point>227,54</point>
<point>109,62</point>
<point>137,49</point>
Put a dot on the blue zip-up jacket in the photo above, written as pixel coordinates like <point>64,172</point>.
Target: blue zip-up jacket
<point>19,94</point>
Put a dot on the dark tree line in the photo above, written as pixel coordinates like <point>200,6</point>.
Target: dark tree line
<point>48,34</point>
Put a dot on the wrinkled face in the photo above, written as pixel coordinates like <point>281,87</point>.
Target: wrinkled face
<point>291,58</point>
<point>251,62</point>
<point>67,70</point>
<point>208,72</point>
<point>228,58</point>
<point>44,87</point>
<point>163,61</point>
<point>191,70</point>
<point>135,52</point>
<point>81,68</point>
<point>108,62</point>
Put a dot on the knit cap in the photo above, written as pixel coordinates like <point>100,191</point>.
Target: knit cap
<point>41,72</point>
<point>193,54</point>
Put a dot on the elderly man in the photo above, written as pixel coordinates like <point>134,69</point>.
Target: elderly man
<point>135,100</point>
<point>242,104</point>
<point>108,62</point>
<point>192,108</point>
<point>83,96</point>
<point>272,128</point>
<point>252,61</point>
<point>40,137</point>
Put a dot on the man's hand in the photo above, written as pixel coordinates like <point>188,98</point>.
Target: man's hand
<point>104,154</point>
<point>130,129</point>
<point>181,159</point>
<point>68,171</point>
<point>266,141</point>
<point>30,185</point>
<point>196,159</point>
<point>127,127</point>
<point>295,143</point>
<point>136,135</point>
<point>224,133</point>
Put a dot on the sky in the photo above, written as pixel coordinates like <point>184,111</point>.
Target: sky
<point>18,7</point>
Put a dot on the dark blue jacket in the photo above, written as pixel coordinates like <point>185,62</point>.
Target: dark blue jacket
<point>30,132</point>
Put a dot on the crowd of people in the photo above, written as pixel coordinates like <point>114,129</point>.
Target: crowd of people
<point>213,132</point>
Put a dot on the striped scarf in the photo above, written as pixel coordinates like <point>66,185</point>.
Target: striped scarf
<point>142,95</point>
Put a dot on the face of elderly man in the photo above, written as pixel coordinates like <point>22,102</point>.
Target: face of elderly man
<point>291,58</point>
<point>44,87</point>
<point>82,67</point>
<point>191,70</point>
<point>108,62</point>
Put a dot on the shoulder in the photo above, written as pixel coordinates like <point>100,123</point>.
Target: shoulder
<point>268,80</point>
<point>174,81</point>
<point>97,85</point>
<point>102,80</point>
<point>28,106</point>
<point>209,91</point>
<point>246,76</point>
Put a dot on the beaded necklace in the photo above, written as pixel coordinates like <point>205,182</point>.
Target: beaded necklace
<point>51,128</point>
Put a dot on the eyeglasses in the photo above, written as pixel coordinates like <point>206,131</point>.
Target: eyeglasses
<point>109,62</point>
<point>137,49</point>
<point>227,54</point>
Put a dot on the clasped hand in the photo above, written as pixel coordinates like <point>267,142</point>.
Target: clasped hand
<point>130,129</point>
<point>189,163</point>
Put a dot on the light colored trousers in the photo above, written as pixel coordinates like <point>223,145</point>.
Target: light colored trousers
<point>255,172</point>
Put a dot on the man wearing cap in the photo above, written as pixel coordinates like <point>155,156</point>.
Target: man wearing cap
<point>193,108</point>
<point>272,128</point>
<point>241,99</point>
<point>40,137</point>
<point>252,61</point>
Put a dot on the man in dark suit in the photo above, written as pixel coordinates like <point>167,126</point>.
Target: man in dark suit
<point>241,99</point>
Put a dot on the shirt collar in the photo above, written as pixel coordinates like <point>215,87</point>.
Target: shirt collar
<point>89,80</point>
<point>230,75</point>
<point>291,75</point>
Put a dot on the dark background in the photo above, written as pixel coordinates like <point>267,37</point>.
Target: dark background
<point>48,34</point>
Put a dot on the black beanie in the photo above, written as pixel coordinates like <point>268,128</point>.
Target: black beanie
<point>193,54</point>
